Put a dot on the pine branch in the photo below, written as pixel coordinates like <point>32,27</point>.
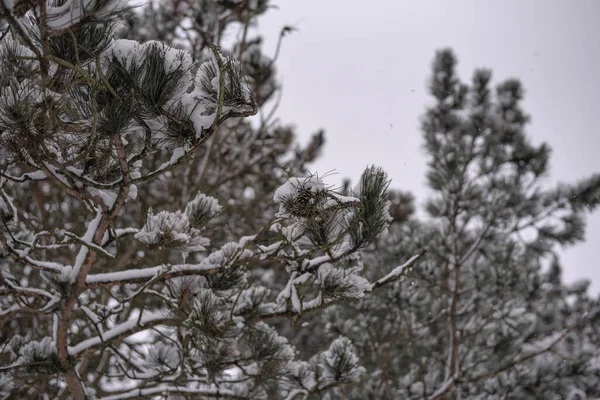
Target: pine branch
<point>175,390</point>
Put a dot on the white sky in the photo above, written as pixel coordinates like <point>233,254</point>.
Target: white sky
<point>358,69</point>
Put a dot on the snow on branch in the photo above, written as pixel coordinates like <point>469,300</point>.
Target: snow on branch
<point>227,254</point>
<point>399,271</point>
<point>134,325</point>
<point>13,288</point>
<point>73,12</point>
<point>87,242</point>
<point>143,274</point>
<point>173,390</point>
<point>38,175</point>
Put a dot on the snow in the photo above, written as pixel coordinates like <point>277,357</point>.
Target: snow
<point>47,265</point>
<point>146,320</point>
<point>178,153</point>
<point>195,106</point>
<point>92,317</point>
<point>171,229</point>
<point>108,197</point>
<point>292,187</point>
<point>270,249</point>
<point>73,11</point>
<point>207,206</point>
<point>310,264</point>
<point>124,276</point>
<point>162,354</point>
<point>74,171</point>
<point>289,292</point>
<point>135,170</point>
<point>9,310</point>
<point>577,394</point>
<point>303,278</point>
<point>36,351</point>
<point>7,209</point>
<point>444,386</point>
<point>122,231</point>
<point>148,273</point>
<point>174,58</point>
<point>133,192</point>
<point>329,359</point>
<point>213,261</point>
<point>290,232</point>
<point>165,389</point>
<point>398,271</point>
<point>87,239</point>
<point>246,239</point>
<point>125,49</point>
<point>296,302</point>
<point>54,171</point>
<point>249,193</point>
<point>131,53</point>
<point>35,176</point>
<point>355,286</point>
<point>544,343</point>
<point>297,394</point>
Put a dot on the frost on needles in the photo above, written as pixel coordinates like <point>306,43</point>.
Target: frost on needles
<point>143,253</point>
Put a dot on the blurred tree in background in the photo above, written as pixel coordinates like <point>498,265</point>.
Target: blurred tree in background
<point>486,315</point>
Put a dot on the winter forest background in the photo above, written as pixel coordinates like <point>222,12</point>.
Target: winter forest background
<point>552,49</point>
<point>174,223</point>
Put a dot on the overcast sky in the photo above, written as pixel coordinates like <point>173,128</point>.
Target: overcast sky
<point>358,69</point>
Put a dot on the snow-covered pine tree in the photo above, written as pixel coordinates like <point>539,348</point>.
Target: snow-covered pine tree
<point>151,237</point>
<point>486,315</point>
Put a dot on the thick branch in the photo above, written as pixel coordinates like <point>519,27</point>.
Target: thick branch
<point>171,390</point>
<point>125,329</point>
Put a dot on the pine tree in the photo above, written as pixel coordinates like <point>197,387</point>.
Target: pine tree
<point>485,315</point>
<point>153,240</point>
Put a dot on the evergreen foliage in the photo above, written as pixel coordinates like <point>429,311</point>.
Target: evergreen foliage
<point>154,242</point>
<point>485,315</point>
